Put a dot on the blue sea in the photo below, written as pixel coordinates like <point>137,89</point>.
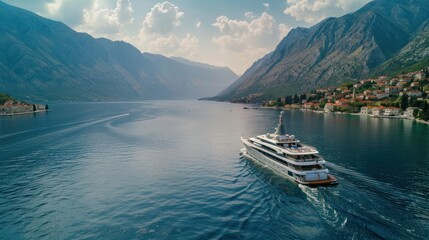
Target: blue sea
<point>172,170</point>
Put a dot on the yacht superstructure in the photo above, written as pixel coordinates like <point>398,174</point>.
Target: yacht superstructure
<point>286,154</point>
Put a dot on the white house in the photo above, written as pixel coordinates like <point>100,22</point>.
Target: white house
<point>391,111</point>
<point>420,75</point>
<point>415,84</point>
<point>329,107</point>
<point>366,110</point>
<point>367,92</point>
<point>409,112</point>
<point>414,93</point>
<point>377,111</point>
<point>392,89</point>
<point>380,94</point>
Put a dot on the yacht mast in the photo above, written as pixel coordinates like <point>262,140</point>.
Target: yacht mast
<point>280,130</point>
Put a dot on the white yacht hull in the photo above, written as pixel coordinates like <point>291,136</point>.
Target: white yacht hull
<point>258,157</point>
<point>251,153</point>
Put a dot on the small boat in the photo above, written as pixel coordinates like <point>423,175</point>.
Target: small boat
<point>287,155</point>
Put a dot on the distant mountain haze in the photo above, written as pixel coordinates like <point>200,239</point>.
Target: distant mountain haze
<point>46,60</point>
<point>382,36</point>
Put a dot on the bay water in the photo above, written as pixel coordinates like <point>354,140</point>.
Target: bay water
<point>172,170</point>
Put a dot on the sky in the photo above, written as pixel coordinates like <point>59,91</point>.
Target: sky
<point>232,33</point>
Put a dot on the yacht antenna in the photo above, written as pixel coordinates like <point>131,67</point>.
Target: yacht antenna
<point>280,130</point>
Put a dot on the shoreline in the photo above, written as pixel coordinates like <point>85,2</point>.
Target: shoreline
<point>352,114</point>
<point>422,121</point>
<point>22,113</point>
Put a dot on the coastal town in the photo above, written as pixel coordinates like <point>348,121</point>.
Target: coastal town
<point>402,96</point>
<point>10,106</point>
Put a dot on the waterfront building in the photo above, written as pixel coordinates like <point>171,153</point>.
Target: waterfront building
<point>391,111</point>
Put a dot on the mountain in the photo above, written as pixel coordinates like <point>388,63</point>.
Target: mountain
<point>45,59</point>
<point>202,65</point>
<point>414,56</point>
<point>337,50</point>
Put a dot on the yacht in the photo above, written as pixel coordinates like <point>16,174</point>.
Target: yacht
<point>287,155</point>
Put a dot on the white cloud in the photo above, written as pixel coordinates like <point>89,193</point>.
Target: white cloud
<point>259,32</point>
<point>266,5</point>
<point>160,32</point>
<point>106,22</point>
<point>313,11</point>
<point>231,26</point>
<point>53,7</point>
<point>67,11</point>
<point>230,43</point>
<point>162,18</point>
<point>169,45</point>
<point>123,12</point>
<point>248,40</point>
<point>249,15</point>
<point>284,30</point>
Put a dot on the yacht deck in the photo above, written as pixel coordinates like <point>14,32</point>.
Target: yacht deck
<point>292,146</point>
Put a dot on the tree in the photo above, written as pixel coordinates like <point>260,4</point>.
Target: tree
<point>295,98</point>
<point>279,102</point>
<point>302,97</point>
<point>426,116</point>
<point>404,102</point>
<point>424,113</point>
<point>412,102</point>
<point>347,85</point>
<point>4,98</point>
<point>396,104</point>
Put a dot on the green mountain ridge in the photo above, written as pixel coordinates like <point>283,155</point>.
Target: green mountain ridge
<point>337,50</point>
<point>414,56</point>
<point>41,59</point>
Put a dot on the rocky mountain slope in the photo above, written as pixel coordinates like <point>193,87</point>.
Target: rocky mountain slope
<point>414,56</point>
<point>335,50</point>
<point>44,59</point>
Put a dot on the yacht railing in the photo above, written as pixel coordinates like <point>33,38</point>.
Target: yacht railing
<point>310,168</point>
<point>314,159</point>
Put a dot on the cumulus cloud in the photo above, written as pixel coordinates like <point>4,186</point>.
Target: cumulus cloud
<point>284,30</point>
<point>172,45</point>
<point>68,11</point>
<point>53,7</point>
<point>313,11</point>
<point>198,24</point>
<point>249,39</point>
<point>159,32</point>
<point>260,32</point>
<point>123,12</point>
<point>169,44</point>
<point>104,21</point>
<point>249,15</point>
<point>162,18</point>
<point>266,5</point>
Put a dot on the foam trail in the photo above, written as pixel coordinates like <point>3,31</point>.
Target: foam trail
<point>78,125</point>
<point>326,211</point>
